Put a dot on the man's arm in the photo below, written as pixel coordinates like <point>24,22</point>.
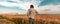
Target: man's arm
<point>36,12</point>
<point>28,12</point>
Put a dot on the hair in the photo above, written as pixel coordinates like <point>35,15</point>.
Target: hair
<point>31,6</point>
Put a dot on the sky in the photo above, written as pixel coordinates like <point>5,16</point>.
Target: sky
<point>21,6</point>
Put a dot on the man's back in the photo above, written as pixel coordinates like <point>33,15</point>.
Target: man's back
<point>32,12</point>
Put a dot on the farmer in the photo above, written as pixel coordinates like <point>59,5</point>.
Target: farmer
<point>31,14</point>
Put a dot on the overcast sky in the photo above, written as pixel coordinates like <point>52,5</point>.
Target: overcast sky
<point>21,6</point>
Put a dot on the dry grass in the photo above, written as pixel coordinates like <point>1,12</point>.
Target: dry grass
<point>39,19</point>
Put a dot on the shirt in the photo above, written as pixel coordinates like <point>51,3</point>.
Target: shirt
<point>32,13</point>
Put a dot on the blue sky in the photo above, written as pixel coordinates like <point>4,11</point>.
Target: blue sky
<point>47,2</point>
<point>21,6</point>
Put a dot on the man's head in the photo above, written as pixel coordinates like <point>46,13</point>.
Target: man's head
<point>31,6</point>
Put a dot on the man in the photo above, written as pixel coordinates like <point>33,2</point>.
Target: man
<point>31,14</point>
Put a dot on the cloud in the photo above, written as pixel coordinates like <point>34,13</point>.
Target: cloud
<point>14,9</point>
<point>8,4</point>
<point>42,6</point>
<point>13,6</point>
<point>11,1</point>
<point>22,5</point>
<point>25,4</point>
<point>47,2</point>
<point>49,9</point>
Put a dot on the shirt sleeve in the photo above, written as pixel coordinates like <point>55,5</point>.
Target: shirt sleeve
<point>28,12</point>
<point>36,12</point>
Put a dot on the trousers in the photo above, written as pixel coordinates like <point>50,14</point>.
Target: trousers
<point>31,21</point>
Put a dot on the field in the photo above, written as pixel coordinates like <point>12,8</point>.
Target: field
<point>39,19</point>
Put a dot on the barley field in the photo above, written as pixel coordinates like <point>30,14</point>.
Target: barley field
<point>39,19</point>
